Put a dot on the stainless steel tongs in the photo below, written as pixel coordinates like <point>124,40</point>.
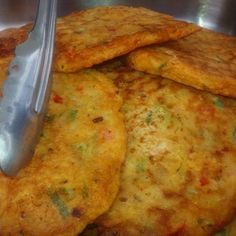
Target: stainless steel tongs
<point>26,92</point>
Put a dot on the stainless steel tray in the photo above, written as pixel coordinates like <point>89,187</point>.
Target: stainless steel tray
<point>219,15</point>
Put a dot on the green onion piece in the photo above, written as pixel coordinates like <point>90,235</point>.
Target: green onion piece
<point>140,166</point>
<point>80,146</point>
<point>59,203</point>
<point>218,103</point>
<point>162,65</point>
<point>148,118</point>
<point>72,115</point>
<point>191,191</point>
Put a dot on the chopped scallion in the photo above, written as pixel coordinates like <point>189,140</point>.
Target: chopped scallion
<point>72,115</point>
<point>59,203</point>
<point>218,103</point>
<point>148,118</point>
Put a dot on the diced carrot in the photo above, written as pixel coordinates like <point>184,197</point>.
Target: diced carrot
<point>57,99</point>
<point>203,181</point>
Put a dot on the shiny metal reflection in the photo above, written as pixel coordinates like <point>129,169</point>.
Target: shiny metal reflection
<point>219,15</point>
<point>26,92</point>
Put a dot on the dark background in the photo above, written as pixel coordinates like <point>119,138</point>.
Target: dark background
<point>219,15</point>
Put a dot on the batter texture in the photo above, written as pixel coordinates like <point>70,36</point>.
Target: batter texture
<point>205,60</point>
<point>92,36</point>
<point>74,175</point>
<point>179,174</point>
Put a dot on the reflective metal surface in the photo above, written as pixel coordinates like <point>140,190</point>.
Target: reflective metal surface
<point>219,15</point>
<point>26,92</point>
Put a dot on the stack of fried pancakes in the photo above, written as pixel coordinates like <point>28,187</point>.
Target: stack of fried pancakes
<point>140,134</point>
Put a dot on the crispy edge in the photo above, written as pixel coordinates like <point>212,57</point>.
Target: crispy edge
<point>176,67</point>
<point>76,60</point>
<point>72,60</point>
<point>10,38</point>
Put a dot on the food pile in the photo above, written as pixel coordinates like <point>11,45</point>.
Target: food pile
<point>140,134</point>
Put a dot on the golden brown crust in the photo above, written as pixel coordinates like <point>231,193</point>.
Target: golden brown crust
<point>74,174</point>
<point>204,60</point>
<point>95,35</point>
<point>179,174</point>
<point>10,38</point>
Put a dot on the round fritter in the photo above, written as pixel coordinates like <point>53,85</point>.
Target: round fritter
<point>179,177</point>
<point>91,36</point>
<point>74,174</point>
<point>95,35</point>
<point>205,60</point>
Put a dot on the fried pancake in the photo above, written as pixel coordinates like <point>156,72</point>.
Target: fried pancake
<point>74,174</point>
<point>95,35</point>
<point>180,170</point>
<point>204,60</point>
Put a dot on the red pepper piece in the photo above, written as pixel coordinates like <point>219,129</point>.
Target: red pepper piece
<point>57,99</point>
<point>204,181</point>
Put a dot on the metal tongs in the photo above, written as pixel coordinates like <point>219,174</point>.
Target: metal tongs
<point>26,92</point>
